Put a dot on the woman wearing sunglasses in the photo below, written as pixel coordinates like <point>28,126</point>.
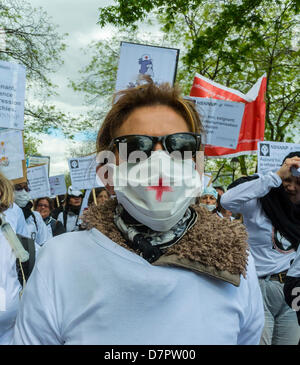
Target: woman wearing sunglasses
<point>270,204</point>
<point>150,268</point>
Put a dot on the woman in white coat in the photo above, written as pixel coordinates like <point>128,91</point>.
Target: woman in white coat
<point>270,205</point>
<point>10,286</point>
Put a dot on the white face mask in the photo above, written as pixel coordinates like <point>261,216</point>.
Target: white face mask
<point>158,190</point>
<point>22,197</point>
<point>210,207</point>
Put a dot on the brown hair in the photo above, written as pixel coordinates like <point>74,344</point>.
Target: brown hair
<point>147,94</point>
<point>49,200</point>
<point>97,192</point>
<point>6,193</point>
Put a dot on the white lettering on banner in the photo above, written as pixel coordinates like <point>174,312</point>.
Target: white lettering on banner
<point>2,300</point>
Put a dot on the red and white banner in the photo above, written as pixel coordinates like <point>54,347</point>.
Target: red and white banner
<point>253,122</point>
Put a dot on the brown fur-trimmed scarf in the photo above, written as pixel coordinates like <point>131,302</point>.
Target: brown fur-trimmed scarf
<point>213,246</point>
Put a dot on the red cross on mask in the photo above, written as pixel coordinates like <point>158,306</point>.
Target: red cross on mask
<point>160,189</point>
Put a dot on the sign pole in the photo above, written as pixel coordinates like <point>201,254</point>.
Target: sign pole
<point>94,196</point>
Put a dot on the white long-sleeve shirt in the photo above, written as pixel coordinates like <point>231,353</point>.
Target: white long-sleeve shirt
<point>244,199</point>
<point>294,270</point>
<point>72,223</point>
<point>86,289</point>
<point>39,231</point>
<point>9,291</point>
<point>15,217</point>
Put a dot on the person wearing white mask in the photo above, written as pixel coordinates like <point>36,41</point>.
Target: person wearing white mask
<point>37,228</point>
<point>150,268</point>
<point>208,198</point>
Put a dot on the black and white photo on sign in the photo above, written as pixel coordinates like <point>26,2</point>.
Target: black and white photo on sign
<point>135,60</point>
<point>12,95</point>
<point>264,149</point>
<point>271,154</point>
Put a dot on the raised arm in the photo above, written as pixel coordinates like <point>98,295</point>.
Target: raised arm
<point>238,198</point>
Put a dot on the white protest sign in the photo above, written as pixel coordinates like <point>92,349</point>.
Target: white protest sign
<point>38,181</point>
<point>271,154</point>
<point>159,63</point>
<point>83,172</point>
<point>57,185</point>
<point>11,146</point>
<point>221,120</point>
<point>12,95</point>
<point>13,171</point>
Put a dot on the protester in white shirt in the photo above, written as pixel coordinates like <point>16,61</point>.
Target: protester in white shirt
<point>69,217</point>
<point>37,228</point>
<point>15,217</point>
<point>149,268</point>
<point>269,204</point>
<point>9,284</point>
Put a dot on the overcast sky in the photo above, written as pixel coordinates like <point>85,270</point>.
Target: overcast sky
<point>78,18</point>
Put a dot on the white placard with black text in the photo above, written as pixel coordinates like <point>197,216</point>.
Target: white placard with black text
<point>57,185</point>
<point>271,154</point>
<point>38,181</point>
<point>12,95</point>
<point>83,172</point>
<point>221,120</point>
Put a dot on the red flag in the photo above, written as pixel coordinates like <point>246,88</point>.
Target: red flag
<point>253,122</point>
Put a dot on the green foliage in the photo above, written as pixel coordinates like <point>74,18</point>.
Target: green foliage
<point>31,144</point>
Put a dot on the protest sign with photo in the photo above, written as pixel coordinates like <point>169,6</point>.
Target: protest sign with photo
<point>253,122</point>
<point>160,63</point>
<point>12,95</point>
<point>271,154</point>
<point>83,172</point>
<point>57,185</point>
<point>221,120</point>
<point>38,181</point>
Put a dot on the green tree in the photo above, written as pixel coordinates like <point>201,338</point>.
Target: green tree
<point>29,37</point>
<point>232,42</point>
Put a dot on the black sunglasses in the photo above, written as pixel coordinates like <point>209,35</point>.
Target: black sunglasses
<point>176,142</point>
<point>20,187</point>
